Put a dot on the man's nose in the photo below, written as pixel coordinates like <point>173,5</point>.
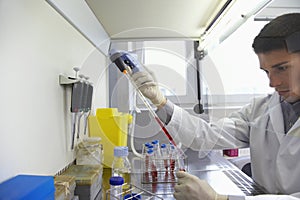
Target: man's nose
<point>274,80</point>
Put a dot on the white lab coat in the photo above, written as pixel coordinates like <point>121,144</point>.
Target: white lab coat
<point>275,156</point>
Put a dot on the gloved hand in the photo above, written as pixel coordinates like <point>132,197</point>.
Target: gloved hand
<point>147,84</point>
<point>191,187</point>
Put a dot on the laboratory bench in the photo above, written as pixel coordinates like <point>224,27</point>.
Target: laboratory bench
<point>200,164</point>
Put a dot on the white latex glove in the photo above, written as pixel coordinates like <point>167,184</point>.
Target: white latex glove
<point>147,84</point>
<point>191,187</point>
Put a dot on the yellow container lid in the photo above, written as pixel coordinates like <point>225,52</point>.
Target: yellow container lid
<point>107,112</point>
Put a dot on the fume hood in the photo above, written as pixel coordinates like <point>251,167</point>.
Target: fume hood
<point>209,22</point>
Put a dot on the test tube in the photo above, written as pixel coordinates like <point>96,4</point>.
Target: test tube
<point>153,169</point>
<point>147,164</point>
<point>164,153</point>
<point>172,155</point>
<point>156,148</point>
<point>147,161</point>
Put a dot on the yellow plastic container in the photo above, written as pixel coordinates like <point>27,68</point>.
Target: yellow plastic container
<point>112,127</point>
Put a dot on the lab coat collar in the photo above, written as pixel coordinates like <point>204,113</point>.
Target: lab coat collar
<point>276,116</point>
<point>296,108</point>
<point>295,128</point>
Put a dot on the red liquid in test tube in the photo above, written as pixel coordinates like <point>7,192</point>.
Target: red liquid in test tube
<point>151,163</point>
<point>154,172</point>
<point>164,153</point>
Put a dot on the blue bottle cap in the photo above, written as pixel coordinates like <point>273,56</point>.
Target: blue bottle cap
<point>150,151</point>
<point>163,145</point>
<point>155,142</point>
<point>116,180</point>
<point>147,144</point>
<point>133,196</point>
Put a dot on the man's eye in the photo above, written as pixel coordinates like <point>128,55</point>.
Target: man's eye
<point>282,68</point>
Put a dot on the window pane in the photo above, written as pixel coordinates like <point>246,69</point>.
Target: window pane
<point>167,59</point>
<point>236,63</point>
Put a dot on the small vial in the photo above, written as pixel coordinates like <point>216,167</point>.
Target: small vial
<point>172,155</point>
<point>121,165</point>
<point>152,166</point>
<point>147,164</point>
<point>156,148</point>
<point>181,164</point>
<point>176,159</point>
<point>116,183</point>
<point>164,153</point>
<point>147,161</point>
<point>179,159</point>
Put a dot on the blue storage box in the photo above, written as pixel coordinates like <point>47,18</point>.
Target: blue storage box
<point>28,187</point>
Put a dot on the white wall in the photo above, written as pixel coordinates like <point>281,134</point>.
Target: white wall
<point>36,45</point>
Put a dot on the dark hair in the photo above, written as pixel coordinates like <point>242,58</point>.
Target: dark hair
<point>293,42</point>
<point>272,35</point>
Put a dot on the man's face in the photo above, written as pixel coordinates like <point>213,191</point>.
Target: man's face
<point>277,65</point>
<point>295,72</point>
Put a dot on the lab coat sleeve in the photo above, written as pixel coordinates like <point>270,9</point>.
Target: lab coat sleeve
<point>272,197</point>
<point>195,133</point>
<point>295,196</point>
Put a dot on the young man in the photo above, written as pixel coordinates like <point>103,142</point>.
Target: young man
<point>268,125</point>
